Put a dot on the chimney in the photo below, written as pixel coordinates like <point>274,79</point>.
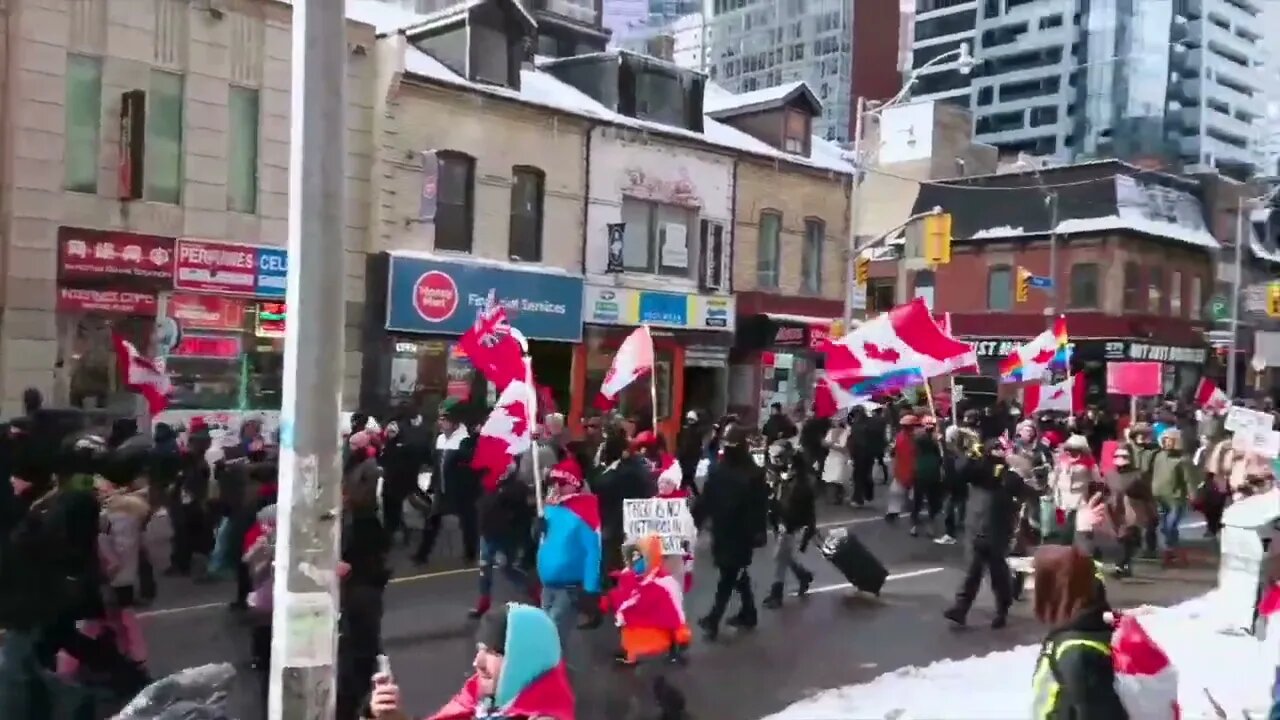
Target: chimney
<point>662,47</point>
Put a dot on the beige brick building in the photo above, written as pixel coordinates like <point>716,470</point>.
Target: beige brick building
<point>418,113</point>
<point>215,160</point>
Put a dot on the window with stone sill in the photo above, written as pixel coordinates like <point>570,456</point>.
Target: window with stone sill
<point>163,165</point>
<point>1155,290</point>
<point>658,239</point>
<point>1175,294</point>
<point>1000,288</point>
<point>1133,295</point>
<point>455,205</point>
<point>84,123</point>
<point>815,237</point>
<point>527,193</point>
<point>769,250</point>
<point>1084,287</point>
<point>242,155</point>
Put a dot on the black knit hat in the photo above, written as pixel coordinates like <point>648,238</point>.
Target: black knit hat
<point>493,630</point>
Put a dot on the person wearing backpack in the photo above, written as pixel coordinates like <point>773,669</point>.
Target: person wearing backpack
<point>1074,675</point>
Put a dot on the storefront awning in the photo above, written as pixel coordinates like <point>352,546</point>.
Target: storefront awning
<point>799,319</point>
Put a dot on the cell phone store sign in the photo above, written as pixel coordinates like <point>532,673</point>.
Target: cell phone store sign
<point>203,266</point>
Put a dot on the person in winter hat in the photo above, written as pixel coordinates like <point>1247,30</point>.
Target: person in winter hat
<point>569,554</point>
<point>793,508</point>
<point>648,606</point>
<point>519,674</point>
<point>1174,479</point>
<point>1132,505</point>
<point>670,487</point>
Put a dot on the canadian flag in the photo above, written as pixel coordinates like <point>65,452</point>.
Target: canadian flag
<point>1211,397</point>
<point>829,399</point>
<point>1066,396</point>
<point>1146,681</point>
<point>505,435</point>
<point>633,361</point>
<point>142,375</point>
<point>966,364</point>
<point>492,345</point>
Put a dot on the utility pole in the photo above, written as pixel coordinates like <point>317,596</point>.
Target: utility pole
<point>1237,297</point>
<point>304,640</point>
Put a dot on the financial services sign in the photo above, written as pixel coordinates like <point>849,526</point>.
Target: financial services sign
<point>432,296</point>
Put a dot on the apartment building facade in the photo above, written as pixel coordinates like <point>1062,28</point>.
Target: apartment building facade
<point>1157,83</point>
<point>146,153</point>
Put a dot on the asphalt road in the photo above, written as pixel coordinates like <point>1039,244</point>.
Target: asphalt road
<point>834,637</point>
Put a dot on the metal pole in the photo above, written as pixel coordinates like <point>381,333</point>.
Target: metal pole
<point>851,246</point>
<point>1052,308</point>
<point>1237,287</point>
<point>304,639</point>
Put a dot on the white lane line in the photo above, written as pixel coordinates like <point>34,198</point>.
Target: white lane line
<point>895,576</point>
<point>849,521</point>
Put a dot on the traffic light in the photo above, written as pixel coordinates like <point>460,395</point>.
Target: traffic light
<point>937,239</point>
<point>863,272</point>
<point>1273,299</point>
<point>1023,290</point>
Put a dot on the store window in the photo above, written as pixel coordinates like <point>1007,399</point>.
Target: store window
<point>87,357</point>
<point>525,243</point>
<point>1133,295</point>
<point>999,288</point>
<point>1084,287</point>
<point>635,399</point>
<point>788,379</point>
<point>768,250</point>
<point>1175,294</point>
<point>231,355</point>
<point>815,236</point>
<point>1155,290</point>
<point>455,204</point>
<point>923,284</point>
<point>881,294</point>
<point>657,238</point>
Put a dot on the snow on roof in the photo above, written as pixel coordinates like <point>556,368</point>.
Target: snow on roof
<point>1181,233</point>
<point>724,100</point>
<point>544,89</point>
<point>383,16</point>
<point>459,258</point>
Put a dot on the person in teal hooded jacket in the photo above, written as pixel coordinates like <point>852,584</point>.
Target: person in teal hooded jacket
<point>519,674</point>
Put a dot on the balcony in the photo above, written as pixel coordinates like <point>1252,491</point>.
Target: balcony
<point>1230,125</point>
<point>1229,43</point>
<point>1251,104</point>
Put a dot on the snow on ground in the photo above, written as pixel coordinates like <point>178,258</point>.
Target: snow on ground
<point>998,686</point>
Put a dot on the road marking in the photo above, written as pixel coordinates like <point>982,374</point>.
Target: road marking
<point>895,576</point>
<point>850,521</point>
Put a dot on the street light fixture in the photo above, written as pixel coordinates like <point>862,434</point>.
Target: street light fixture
<point>965,64</point>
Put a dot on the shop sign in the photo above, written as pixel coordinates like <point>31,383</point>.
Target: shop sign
<point>1001,348</point>
<point>218,347</point>
<point>1124,350</point>
<point>271,319</point>
<point>605,305</point>
<point>230,268</point>
<point>425,295</point>
<point>123,302</point>
<point>207,312</point>
<point>84,253</point>
<point>789,335</point>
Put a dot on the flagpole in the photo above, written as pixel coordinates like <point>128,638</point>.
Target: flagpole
<point>531,415</point>
<point>653,384</point>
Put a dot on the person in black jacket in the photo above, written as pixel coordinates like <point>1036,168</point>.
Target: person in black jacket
<point>1075,673</point>
<point>735,500</point>
<point>777,426</point>
<point>364,573</point>
<point>506,519</point>
<point>404,456</point>
<point>793,512</point>
<point>192,530</point>
<point>625,476</point>
<point>994,493</point>
<point>455,485</point>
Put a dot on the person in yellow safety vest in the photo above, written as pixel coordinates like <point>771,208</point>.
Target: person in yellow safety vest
<point>1074,678</point>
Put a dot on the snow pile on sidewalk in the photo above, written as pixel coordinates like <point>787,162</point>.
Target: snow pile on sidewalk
<point>998,686</point>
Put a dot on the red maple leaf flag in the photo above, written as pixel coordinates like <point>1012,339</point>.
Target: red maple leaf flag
<point>491,346</point>
<point>1044,356</point>
<point>874,352</point>
<point>1066,396</point>
<point>141,375</point>
<point>505,434</point>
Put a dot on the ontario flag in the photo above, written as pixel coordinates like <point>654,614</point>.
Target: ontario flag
<point>1066,396</point>
<point>506,433</point>
<point>141,375</point>
<point>1146,681</point>
<point>633,361</point>
<point>492,346</point>
<point>1040,356</point>
<point>901,346</point>
<point>1211,397</point>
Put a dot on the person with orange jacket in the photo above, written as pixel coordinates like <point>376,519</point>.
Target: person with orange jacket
<point>904,466</point>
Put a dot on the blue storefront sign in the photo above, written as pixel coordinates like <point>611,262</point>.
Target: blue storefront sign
<point>425,295</point>
<point>273,272</point>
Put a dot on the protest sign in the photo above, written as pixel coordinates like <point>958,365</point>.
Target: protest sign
<point>1243,420</point>
<point>669,519</point>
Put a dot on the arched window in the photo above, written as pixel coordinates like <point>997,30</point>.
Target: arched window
<point>1134,293</point>
<point>1084,287</point>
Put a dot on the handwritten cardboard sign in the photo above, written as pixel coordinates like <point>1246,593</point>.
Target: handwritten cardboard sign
<point>669,519</point>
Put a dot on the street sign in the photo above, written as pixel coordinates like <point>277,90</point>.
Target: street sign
<point>1041,283</point>
<point>1219,309</point>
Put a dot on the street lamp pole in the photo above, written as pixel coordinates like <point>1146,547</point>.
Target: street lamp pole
<point>861,165</point>
<point>1237,291</point>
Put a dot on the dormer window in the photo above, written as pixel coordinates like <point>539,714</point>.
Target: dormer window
<point>637,86</point>
<point>481,41</point>
<point>797,131</point>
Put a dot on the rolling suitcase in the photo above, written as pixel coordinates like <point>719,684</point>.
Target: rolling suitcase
<point>854,561</point>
